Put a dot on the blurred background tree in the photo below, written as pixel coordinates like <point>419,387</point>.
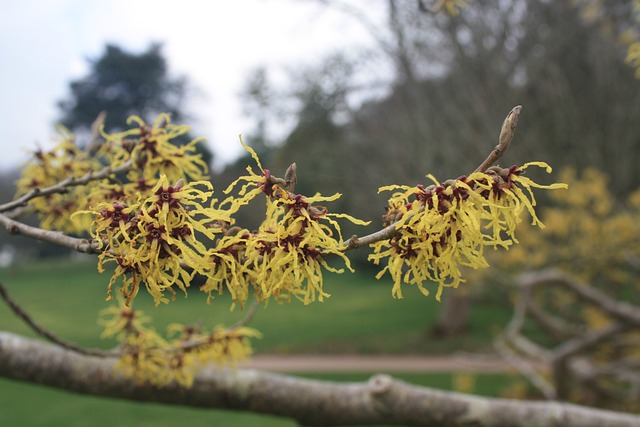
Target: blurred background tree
<point>121,84</point>
<point>576,305</point>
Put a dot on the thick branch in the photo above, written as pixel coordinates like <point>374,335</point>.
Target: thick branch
<point>382,400</point>
<point>564,359</point>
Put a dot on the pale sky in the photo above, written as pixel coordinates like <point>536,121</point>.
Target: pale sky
<point>44,45</point>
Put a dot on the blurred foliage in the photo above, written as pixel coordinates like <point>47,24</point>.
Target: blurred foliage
<point>595,238</point>
<point>587,233</point>
<point>124,84</point>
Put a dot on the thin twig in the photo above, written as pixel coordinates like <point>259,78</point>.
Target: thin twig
<point>94,140</point>
<point>356,242</point>
<point>62,186</point>
<point>191,344</point>
<point>525,368</point>
<point>55,237</point>
<point>506,135</point>
<point>251,312</point>
<point>40,330</point>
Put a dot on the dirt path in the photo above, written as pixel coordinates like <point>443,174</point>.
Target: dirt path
<point>358,363</point>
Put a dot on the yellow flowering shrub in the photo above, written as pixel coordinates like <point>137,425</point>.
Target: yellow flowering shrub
<point>590,246</point>
<point>629,37</point>
<point>588,233</point>
<point>451,7</point>
<point>152,217</point>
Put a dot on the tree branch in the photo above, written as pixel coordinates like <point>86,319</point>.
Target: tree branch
<point>381,400</point>
<point>55,237</point>
<point>570,360</point>
<point>619,310</point>
<point>61,187</point>
<point>506,135</point>
<point>356,242</point>
<point>525,367</point>
<point>42,331</point>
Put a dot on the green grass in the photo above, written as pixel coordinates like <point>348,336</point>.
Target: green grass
<point>36,406</point>
<point>361,316</point>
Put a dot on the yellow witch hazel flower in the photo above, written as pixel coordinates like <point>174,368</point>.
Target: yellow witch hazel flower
<point>286,255</point>
<point>226,267</point>
<point>65,161</point>
<point>442,228</point>
<point>152,239</point>
<point>153,150</point>
<point>289,251</point>
<point>253,184</point>
<point>148,357</point>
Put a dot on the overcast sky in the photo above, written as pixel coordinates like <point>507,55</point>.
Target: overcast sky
<point>45,44</point>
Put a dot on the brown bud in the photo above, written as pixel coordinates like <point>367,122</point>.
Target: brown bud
<point>290,178</point>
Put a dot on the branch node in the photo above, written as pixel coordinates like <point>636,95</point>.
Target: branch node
<point>380,384</point>
<point>353,242</point>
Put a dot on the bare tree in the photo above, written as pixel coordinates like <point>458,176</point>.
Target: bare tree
<point>599,360</point>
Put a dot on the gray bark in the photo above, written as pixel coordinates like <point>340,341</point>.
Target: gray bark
<point>381,400</point>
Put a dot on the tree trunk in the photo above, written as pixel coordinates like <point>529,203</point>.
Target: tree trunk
<point>453,319</point>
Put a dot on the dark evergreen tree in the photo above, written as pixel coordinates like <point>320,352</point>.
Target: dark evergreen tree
<point>122,84</point>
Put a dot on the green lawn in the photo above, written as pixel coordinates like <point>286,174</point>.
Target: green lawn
<point>361,316</point>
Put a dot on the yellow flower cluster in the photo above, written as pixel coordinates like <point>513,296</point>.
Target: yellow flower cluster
<point>443,227</point>
<point>157,222</point>
<point>153,150</point>
<point>161,228</point>
<point>65,161</point>
<point>288,252</point>
<point>286,255</point>
<point>152,239</point>
<point>148,357</point>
